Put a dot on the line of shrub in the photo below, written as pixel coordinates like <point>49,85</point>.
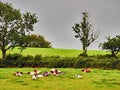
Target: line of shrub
<point>17,60</point>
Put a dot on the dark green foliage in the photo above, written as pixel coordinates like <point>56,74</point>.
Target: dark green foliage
<point>38,57</point>
<point>2,64</point>
<point>14,26</point>
<point>12,59</point>
<point>38,61</point>
<point>28,57</point>
<point>15,56</point>
<point>31,63</point>
<point>112,44</point>
<point>34,40</point>
<point>63,62</point>
<point>84,63</point>
<point>49,61</point>
<point>17,60</point>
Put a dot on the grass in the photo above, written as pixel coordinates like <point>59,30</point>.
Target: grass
<point>56,52</point>
<point>96,80</point>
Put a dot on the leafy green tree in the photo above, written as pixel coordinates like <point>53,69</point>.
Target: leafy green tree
<point>14,27</point>
<point>38,41</point>
<point>84,32</point>
<point>112,44</point>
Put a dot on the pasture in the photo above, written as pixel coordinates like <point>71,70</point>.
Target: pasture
<point>95,80</point>
<point>55,52</point>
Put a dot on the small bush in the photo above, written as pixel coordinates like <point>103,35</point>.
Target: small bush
<point>13,56</point>
<point>28,57</point>
<point>30,63</point>
<point>12,59</point>
<point>83,63</point>
<point>38,57</point>
<point>2,63</point>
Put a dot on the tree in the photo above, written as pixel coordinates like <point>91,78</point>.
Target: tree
<point>38,41</point>
<point>112,44</point>
<point>14,27</point>
<point>84,32</point>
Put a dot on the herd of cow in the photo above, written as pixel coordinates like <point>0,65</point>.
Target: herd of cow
<point>37,74</point>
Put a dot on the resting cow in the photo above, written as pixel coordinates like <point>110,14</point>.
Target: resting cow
<point>86,70</point>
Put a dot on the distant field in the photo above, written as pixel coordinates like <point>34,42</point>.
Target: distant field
<point>96,80</point>
<point>56,52</point>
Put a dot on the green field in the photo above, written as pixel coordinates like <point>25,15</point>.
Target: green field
<point>96,80</point>
<point>56,52</point>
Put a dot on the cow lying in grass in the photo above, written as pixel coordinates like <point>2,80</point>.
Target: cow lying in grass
<point>18,73</point>
<point>56,72</point>
<point>36,76</point>
<point>86,70</point>
<point>34,72</point>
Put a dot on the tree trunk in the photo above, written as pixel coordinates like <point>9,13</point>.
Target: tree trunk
<point>3,54</point>
<point>113,54</point>
<point>84,53</point>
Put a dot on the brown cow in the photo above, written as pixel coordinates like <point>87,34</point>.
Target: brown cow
<point>86,70</point>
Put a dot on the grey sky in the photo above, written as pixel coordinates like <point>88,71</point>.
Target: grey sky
<point>56,18</point>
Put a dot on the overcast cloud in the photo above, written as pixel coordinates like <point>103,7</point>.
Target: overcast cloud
<point>56,18</point>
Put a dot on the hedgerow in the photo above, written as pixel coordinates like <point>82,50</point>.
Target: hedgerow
<point>18,60</point>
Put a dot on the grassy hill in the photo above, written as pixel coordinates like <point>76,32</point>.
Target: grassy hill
<point>55,52</point>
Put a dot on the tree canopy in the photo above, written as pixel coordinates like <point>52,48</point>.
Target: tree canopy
<point>39,41</point>
<point>112,44</point>
<point>14,26</point>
